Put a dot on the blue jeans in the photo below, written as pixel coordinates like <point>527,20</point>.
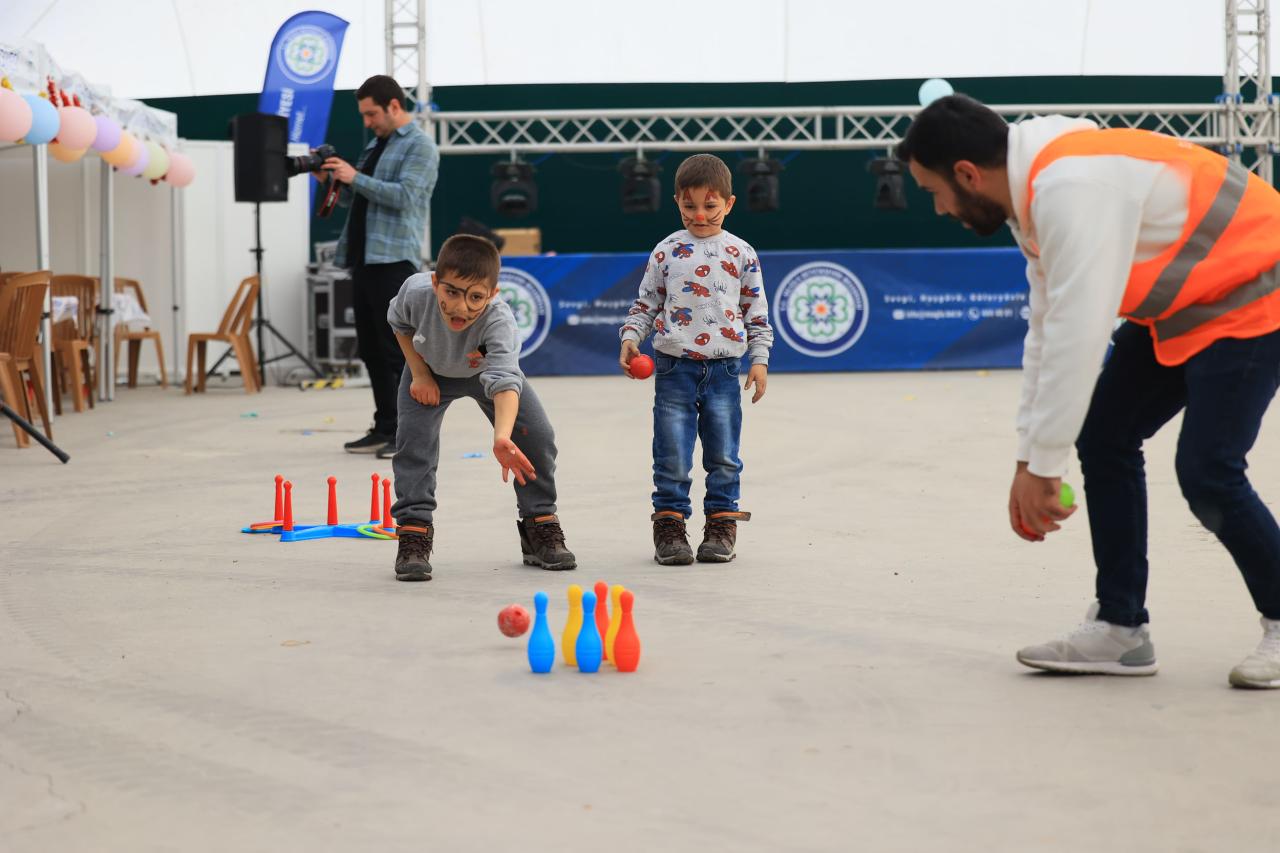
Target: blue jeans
<point>696,399</point>
<point>1225,390</point>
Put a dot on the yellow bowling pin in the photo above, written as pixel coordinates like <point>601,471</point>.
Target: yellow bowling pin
<point>615,619</point>
<point>569,641</point>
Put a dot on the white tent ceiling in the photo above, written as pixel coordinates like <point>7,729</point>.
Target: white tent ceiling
<point>162,48</point>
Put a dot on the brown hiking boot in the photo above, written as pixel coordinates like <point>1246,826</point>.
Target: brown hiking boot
<point>670,541</point>
<point>719,535</point>
<point>413,558</point>
<point>542,544</point>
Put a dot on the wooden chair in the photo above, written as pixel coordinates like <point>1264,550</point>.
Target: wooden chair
<point>21,309</point>
<point>233,331</point>
<point>135,337</point>
<point>73,343</point>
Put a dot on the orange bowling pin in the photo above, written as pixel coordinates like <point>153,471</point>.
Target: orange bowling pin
<point>615,619</point>
<point>626,646</point>
<point>602,610</point>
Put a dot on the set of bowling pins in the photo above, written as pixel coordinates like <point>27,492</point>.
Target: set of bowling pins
<point>587,641</point>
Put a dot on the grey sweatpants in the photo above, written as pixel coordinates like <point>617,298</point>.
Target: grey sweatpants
<point>418,449</point>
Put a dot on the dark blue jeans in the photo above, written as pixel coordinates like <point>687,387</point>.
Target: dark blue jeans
<point>696,399</point>
<point>1225,390</point>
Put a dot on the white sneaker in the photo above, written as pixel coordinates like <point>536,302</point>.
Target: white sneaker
<point>1262,668</point>
<point>1103,649</point>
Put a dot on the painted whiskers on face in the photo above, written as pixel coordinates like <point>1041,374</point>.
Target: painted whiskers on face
<point>462,302</point>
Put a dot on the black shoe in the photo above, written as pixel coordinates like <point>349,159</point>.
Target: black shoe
<point>542,544</point>
<point>387,450</point>
<point>719,536</point>
<point>670,541</point>
<point>371,443</point>
<point>413,557</point>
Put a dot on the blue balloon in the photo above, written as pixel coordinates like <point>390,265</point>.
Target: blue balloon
<point>44,121</point>
<point>934,88</point>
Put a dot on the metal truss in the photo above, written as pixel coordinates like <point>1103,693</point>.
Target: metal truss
<point>801,128</point>
<point>1248,122</point>
<point>407,51</point>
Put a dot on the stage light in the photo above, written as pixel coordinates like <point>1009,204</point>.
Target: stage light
<point>513,192</point>
<point>641,189</point>
<point>762,182</point>
<point>890,194</point>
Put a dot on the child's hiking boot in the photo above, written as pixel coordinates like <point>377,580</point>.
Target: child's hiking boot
<point>542,543</point>
<point>670,541</point>
<point>413,556</point>
<point>719,536</point>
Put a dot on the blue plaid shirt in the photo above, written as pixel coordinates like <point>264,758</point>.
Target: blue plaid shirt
<point>398,192</point>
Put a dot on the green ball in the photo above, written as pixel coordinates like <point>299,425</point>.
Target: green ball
<point>1067,496</point>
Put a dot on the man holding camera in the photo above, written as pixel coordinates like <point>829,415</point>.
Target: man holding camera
<point>388,190</point>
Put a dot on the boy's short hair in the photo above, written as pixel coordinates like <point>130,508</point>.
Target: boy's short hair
<point>704,170</point>
<point>470,258</point>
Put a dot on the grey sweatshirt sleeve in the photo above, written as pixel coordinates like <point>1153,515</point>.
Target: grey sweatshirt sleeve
<point>406,309</point>
<point>502,357</point>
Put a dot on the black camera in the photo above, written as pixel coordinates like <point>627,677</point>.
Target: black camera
<point>312,162</point>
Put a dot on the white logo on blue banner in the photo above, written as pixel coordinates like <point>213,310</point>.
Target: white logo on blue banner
<point>822,309</point>
<point>306,53</point>
<point>527,299</point>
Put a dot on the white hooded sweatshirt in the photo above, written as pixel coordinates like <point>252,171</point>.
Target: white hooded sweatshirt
<point>1091,219</point>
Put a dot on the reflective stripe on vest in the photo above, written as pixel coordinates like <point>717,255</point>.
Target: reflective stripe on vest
<point>1220,277</point>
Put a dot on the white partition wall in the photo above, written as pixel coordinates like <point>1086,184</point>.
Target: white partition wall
<point>213,248</point>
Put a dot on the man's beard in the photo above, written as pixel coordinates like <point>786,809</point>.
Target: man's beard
<point>981,214</point>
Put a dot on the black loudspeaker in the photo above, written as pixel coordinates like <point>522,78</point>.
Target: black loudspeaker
<point>261,145</point>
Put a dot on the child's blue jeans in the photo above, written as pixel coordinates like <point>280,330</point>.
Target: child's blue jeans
<point>696,399</point>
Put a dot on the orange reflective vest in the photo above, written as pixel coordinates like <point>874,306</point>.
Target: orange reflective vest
<point>1220,279</point>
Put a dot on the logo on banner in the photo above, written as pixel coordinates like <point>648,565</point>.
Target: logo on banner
<point>528,301</point>
<point>306,53</point>
<point>822,309</point>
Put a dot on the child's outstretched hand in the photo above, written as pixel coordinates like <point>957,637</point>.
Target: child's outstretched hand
<point>513,460</point>
<point>630,349</point>
<point>758,376</point>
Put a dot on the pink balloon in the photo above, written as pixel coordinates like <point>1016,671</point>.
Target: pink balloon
<point>15,116</point>
<point>181,170</point>
<point>140,157</point>
<point>77,128</point>
<point>107,135</point>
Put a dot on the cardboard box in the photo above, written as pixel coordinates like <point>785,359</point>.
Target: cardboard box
<point>520,241</point>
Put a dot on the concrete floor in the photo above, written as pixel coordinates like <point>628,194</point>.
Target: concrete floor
<point>167,683</point>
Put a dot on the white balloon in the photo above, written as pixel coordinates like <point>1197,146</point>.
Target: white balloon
<point>934,88</point>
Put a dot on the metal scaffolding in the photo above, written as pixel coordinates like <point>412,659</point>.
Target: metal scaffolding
<point>1249,119</point>
<point>1245,120</point>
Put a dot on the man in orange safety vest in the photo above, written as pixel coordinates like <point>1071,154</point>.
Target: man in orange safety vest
<point>1185,246</point>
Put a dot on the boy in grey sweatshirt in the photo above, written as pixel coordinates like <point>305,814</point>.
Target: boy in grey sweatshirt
<point>459,340</point>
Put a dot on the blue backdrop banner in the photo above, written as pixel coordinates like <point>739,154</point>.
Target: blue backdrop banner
<point>300,72</point>
<point>836,310</point>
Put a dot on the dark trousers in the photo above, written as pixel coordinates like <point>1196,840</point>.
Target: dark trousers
<point>373,288</point>
<point>1225,391</point>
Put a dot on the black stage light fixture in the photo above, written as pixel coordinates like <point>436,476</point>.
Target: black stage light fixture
<point>641,189</point>
<point>890,194</point>
<point>513,191</point>
<point>762,182</point>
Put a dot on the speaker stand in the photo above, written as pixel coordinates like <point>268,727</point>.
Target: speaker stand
<point>260,322</point>
<point>33,432</point>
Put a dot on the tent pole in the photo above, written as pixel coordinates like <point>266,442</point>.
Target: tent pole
<point>176,274</point>
<point>41,155</point>
<point>106,355</point>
